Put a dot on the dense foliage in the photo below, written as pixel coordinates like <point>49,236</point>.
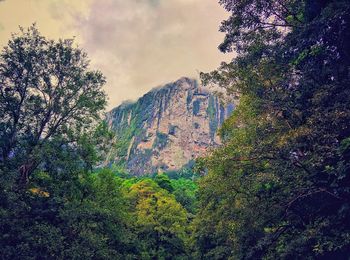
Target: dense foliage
<point>279,187</point>
<point>54,205</point>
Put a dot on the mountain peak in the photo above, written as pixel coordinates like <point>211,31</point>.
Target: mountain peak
<point>167,127</point>
<point>184,82</point>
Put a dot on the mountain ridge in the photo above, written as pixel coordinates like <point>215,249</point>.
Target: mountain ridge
<point>167,127</point>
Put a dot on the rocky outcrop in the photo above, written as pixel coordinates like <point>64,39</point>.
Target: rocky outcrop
<point>167,127</point>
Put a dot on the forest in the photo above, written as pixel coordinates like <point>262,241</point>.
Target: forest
<point>277,188</point>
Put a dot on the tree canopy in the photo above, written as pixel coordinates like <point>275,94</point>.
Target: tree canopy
<point>48,95</point>
<point>278,188</point>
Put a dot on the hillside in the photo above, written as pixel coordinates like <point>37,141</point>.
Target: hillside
<point>167,127</point>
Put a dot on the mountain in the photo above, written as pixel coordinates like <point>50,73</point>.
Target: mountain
<point>167,127</point>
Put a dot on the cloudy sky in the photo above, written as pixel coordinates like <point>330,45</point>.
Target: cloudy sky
<point>137,44</point>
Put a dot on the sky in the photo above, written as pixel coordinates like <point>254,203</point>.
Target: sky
<point>137,44</point>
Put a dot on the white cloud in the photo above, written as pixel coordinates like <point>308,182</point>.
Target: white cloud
<point>137,44</point>
<point>141,44</point>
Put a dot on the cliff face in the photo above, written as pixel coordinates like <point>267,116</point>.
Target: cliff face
<point>167,127</point>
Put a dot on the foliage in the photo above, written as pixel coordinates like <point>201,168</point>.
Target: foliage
<point>163,181</point>
<point>49,97</point>
<point>75,215</point>
<point>51,206</point>
<point>161,222</point>
<point>278,188</point>
<point>185,192</point>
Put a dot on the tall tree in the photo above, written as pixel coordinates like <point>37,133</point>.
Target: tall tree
<point>50,106</point>
<point>47,92</point>
<point>279,188</point>
<point>160,222</point>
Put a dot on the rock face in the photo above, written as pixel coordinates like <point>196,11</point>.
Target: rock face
<point>167,127</point>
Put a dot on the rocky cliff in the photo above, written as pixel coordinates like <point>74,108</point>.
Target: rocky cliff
<point>167,127</point>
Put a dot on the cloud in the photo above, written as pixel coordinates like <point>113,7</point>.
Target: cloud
<point>54,18</point>
<point>139,44</point>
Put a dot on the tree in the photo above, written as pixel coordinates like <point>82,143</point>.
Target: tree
<point>164,182</point>
<point>259,22</point>
<point>47,93</point>
<point>279,187</point>
<point>69,215</point>
<point>185,192</point>
<point>50,106</point>
<point>160,222</point>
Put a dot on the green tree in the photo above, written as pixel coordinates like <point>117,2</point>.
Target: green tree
<point>185,192</point>
<point>50,134</point>
<point>161,223</point>
<point>278,188</point>
<point>48,94</point>
<point>96,221</point>
<point>164,182</point>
